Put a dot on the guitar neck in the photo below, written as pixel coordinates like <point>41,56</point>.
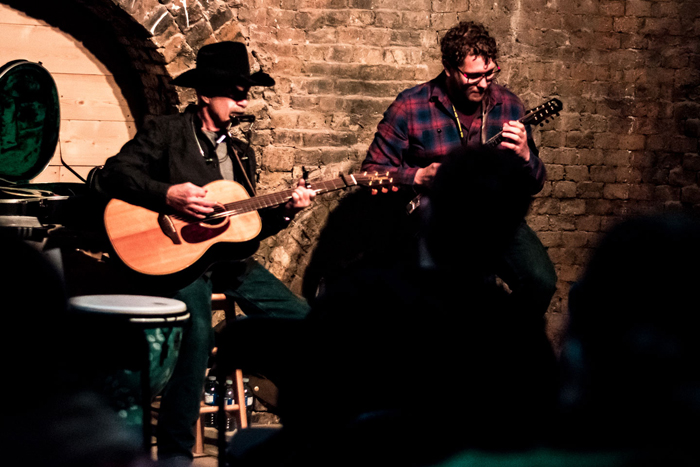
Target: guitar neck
<point>278,198</point>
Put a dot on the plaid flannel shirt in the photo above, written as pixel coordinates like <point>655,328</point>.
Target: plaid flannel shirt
<point>420,128</point>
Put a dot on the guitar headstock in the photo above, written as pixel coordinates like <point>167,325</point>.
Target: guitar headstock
<point>377,181</point>
<point>542,113</point>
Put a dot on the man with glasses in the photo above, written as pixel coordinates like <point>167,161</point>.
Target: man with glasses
<point>459,111</point>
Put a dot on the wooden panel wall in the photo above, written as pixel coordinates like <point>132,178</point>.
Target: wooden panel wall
<point>95,118</point>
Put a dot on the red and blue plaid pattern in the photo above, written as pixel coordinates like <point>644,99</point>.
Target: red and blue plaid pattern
<point>420,128</point>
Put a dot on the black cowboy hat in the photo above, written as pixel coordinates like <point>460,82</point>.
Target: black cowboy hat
<point>221,65</point>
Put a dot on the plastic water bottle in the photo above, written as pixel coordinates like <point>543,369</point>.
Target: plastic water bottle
<point>229,392</point>
<point>248,400</point>
<point>230,419</point>
<point>210,390</point>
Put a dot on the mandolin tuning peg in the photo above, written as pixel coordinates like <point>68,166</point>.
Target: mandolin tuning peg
<point>394,188</point>
<point>385,190</point>
<point>373,191</point>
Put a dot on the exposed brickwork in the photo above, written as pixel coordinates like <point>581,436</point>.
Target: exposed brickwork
<point>626,70</point>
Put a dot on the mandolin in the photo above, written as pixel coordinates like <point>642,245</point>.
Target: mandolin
<point>537,115</point>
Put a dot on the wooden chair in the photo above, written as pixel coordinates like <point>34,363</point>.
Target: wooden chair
<point>220,302</point>
<point>238,407</point>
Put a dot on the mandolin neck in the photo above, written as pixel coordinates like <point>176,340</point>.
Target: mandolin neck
<point>498,138</point>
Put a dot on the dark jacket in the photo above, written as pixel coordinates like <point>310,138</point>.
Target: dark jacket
<point>166,152</point>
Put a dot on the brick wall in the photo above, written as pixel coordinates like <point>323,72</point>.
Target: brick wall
<point>627,72</point>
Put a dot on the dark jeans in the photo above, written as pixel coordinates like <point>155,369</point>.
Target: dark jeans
<point>529,272</point>
<point>258,293</point>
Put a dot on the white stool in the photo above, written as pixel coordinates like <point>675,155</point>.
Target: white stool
<point>158,321</point>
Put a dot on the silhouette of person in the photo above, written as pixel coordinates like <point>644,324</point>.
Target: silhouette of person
<point>52,418</point>
<point>631,355</point>
<point>630,375</point>
<point>405,365</point>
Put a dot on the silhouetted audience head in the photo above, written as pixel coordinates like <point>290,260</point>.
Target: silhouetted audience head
<point>477,202</point>
<point>632,355</point>
<point>34,300</point>
<point>50,418</point>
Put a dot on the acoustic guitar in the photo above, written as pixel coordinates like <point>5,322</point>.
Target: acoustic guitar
<point>160,244</point>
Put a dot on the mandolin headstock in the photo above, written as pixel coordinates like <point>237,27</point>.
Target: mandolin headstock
<point>542,113</point>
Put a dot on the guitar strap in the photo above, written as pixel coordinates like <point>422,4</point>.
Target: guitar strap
<point>242,169</point>
<point>232,150</point>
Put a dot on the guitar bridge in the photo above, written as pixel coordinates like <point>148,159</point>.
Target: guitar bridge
<point>168,228</point>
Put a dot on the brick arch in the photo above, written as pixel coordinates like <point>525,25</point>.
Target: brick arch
<point>131,30</point>
<point>146,42</point>
<point>161,39</point>
<point>112,42</point>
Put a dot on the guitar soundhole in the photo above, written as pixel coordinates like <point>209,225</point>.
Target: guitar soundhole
<point>203,231</point>
<point>216,221</point>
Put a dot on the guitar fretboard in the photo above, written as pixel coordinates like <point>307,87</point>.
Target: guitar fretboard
<point>281,197</point>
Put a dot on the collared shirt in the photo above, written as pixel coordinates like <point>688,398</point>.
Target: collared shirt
<point>222,151</point>
<point>420,128</point>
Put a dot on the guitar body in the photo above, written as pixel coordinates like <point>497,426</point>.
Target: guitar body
<point>181,248</point>
<point>152,243</point>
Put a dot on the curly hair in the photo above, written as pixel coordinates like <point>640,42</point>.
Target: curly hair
<point>467,38</point>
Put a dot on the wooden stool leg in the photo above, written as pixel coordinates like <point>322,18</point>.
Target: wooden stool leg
<point>199,437</point>
<point>240,399</point>
<point>220,302</point>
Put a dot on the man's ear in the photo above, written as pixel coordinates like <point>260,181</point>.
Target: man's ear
<point>448,68</point>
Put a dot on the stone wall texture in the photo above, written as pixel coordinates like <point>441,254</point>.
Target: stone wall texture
<point>626,70</point>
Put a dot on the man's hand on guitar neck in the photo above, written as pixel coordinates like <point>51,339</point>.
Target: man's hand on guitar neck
<point>188,198</point>
<point>302,197</point>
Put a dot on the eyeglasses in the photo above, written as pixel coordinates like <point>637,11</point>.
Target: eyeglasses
<point>474,78</point>
<point>237,94</point>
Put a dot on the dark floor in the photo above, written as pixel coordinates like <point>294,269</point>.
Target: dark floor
<point>210,456</point>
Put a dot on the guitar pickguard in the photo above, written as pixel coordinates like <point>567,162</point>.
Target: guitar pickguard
<point>198,233</point>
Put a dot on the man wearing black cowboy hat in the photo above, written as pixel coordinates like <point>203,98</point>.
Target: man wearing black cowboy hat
<point>165,167</point>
